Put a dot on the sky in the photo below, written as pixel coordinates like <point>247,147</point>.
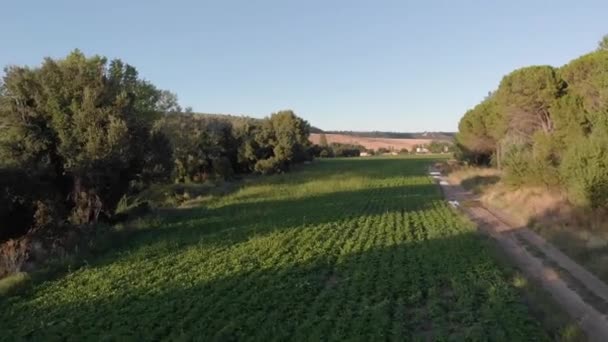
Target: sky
<point>342,65</point>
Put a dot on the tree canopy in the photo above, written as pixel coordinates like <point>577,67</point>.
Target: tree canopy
<point>546,125</point>
<point>79,123</point>
<point>82,132</point>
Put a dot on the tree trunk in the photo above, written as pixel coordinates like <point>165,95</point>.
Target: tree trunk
<point>87,204</point>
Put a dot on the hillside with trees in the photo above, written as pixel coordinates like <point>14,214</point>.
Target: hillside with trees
<point>546,126</point>
<point>81,133</point>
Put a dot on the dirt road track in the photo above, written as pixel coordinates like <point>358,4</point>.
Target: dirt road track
<point>509,238</point>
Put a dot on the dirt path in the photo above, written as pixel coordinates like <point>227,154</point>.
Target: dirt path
<point>568,282</point>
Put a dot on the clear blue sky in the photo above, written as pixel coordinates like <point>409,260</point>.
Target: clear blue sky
<point>348,65</point>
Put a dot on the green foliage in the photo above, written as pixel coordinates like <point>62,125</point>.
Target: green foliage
<point>249,149</point>
<point>346,150</point>
<point>268,166</point>
<point>198,143</point>
<point>480,130</point>
<point>337,150</point>
<point>547,127</point>
<point>282,140</point>
<point>517,164</point>
<point>587,79</point>
<point>585,169</point>
<point>80,133</point>
<point>158,158</point>
<point>349,249</point>
<point>79,123</point>
<point>526,97</point>
<point>440,146</point>
<point>546,157</point>
<point>288,134</point>
<point>571,120</point>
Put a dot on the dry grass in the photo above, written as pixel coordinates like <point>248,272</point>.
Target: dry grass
<point>475,179</point>
<point>524,204</point>
<point>528,204</point>
<point>580,232</point>
<point>458,175</point>
<point>371,143</point>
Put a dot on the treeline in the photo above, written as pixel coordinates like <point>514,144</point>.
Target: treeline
<point>546,126</point>
<point>80,133</point>
<point>440,146</point>
<point>336,150</point>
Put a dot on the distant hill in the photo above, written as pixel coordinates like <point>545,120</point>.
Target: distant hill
<point>372,143</point>
<point>396,135</point>
<point>374,139</point>
<point>314,129</point>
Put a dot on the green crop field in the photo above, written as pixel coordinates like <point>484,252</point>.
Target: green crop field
<point>361,249</point>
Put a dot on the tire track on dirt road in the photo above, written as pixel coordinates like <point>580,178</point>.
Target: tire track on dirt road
<point>592,321</point>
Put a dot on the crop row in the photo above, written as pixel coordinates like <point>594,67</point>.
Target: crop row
<point>388,261</point>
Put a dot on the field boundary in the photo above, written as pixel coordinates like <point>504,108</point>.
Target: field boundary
<point>551,278</point>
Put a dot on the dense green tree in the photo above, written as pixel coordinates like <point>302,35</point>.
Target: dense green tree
<point>526,97</point>
<point>214,145</point>
<point>158,157</point>
<point>168,103</point>
<point>283,140</point>
<point>587,79</point>
<point>250,149</point>
<point>80,133</point>
<point>202,146</point>
<point>480,131</point>
<point>585,169</point>
<point>79,123</point>
<point>547,126</point>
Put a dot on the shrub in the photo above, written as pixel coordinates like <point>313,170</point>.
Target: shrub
<point>267,166</point>
<point>585,170</point>
<point>158,158</point>
<point>516,163</point>
<point>345,150</point>
<point>81,124</point>
<point>544,161</point>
